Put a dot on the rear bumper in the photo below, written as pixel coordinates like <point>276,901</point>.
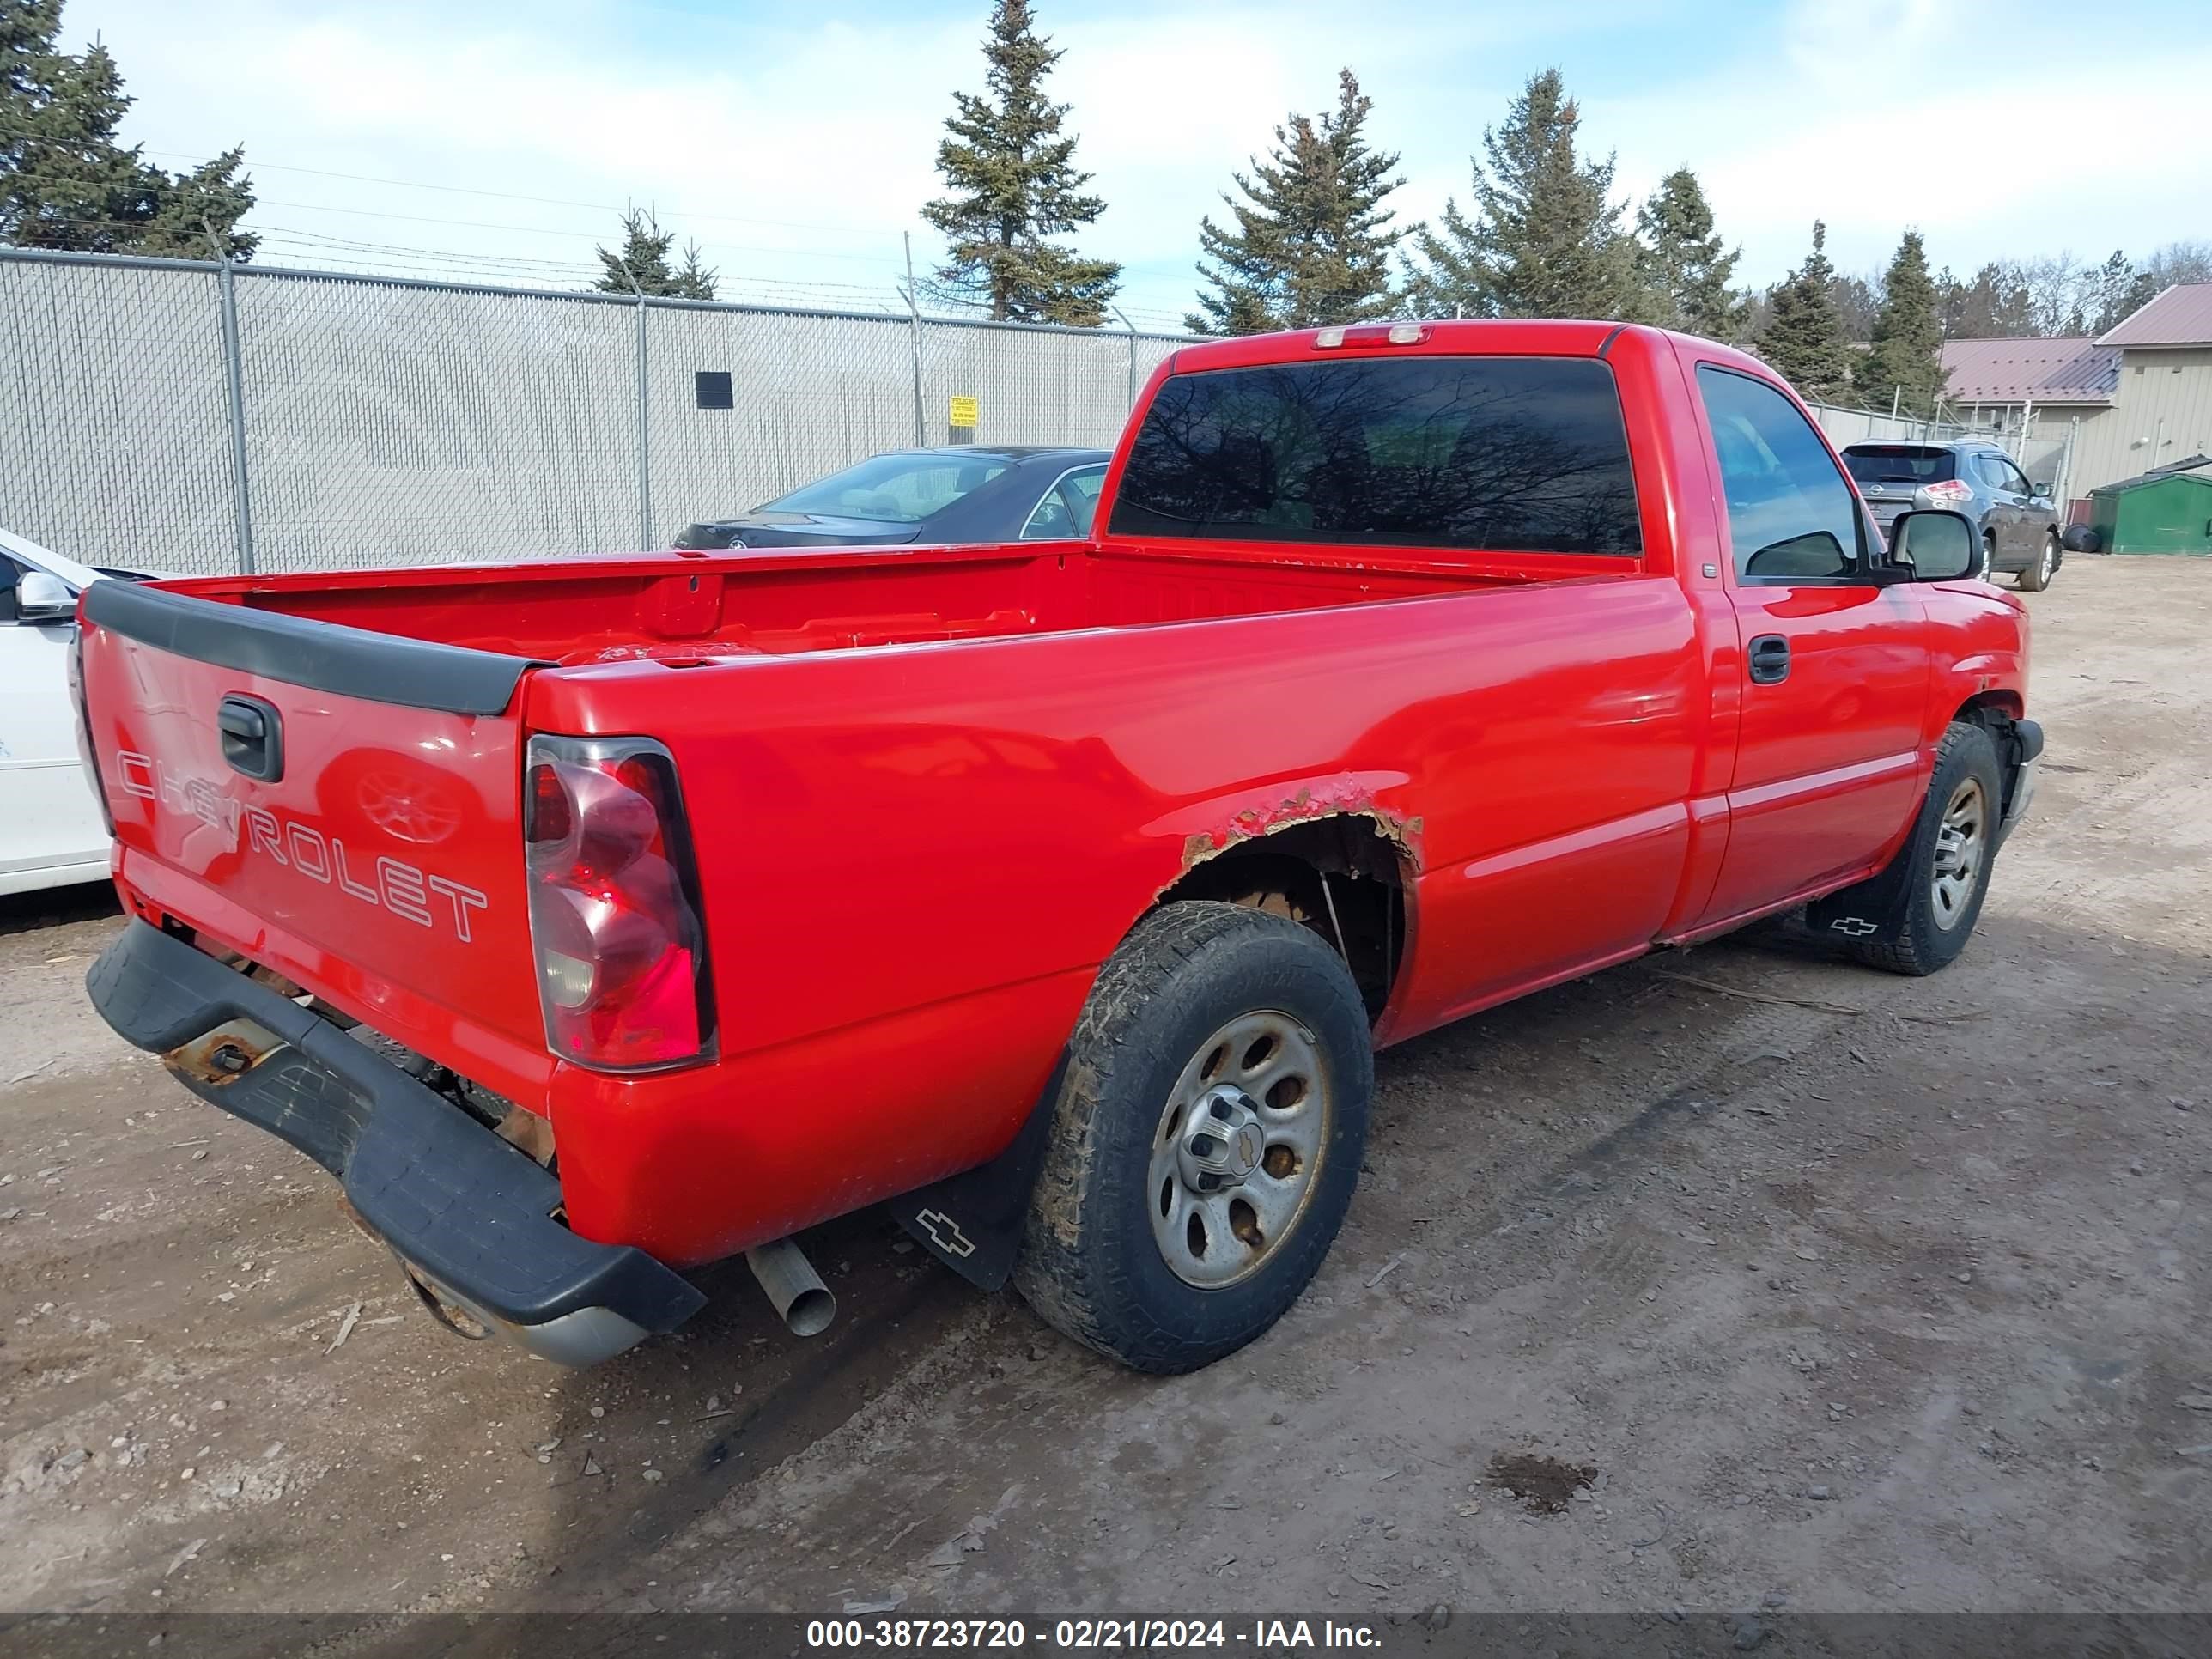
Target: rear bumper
<point>467,1213</point>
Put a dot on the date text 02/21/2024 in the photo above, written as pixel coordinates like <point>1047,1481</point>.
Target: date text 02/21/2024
<point>1088,1634</point>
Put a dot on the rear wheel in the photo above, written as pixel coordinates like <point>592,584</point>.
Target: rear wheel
<point>1917,915</point>
<point>1206,1142</point>
<point>1989,570</point>
<point>2037,576</point>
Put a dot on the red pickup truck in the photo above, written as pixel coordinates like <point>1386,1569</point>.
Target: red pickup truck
<point>595,919</point>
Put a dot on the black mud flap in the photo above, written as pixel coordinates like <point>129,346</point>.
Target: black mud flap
<point>973,1222</point>
<point>1871,906</point>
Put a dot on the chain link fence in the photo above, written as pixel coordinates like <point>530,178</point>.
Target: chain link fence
<point>183,416</point>
<point>1859,426</point>
<point>115,431</point>
<point>193,418</point>
<point>2047,461</point>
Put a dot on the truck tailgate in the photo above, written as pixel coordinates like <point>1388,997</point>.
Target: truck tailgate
<point>339,805</point>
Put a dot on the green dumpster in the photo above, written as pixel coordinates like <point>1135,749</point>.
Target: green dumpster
<point>2157,513</point>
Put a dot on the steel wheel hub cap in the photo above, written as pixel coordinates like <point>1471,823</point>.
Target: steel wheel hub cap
<point>1224,1141</point>
<point>1240,1143</point>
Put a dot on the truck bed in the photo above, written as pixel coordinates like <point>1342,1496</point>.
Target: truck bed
<point>674,605</point>
<point>931,801</point>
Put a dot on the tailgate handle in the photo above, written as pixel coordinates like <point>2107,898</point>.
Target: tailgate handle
<point>253,737</point>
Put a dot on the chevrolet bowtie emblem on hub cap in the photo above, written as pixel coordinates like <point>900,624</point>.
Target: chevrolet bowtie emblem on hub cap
<point>1224,1142</point>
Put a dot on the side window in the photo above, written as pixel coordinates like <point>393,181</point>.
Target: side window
<point>1081,490</point>
<point>1049,520</point>
<point>1792,518</point>
<point>1065,510</point>
<point>2015,480</point>
<point>10,574</point>
<point>1990,470</point>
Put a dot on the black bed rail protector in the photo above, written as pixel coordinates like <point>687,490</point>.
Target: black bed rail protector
<point>349,662</point>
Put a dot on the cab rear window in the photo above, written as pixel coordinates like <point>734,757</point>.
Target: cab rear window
<point>1520,453</point>
<point>1912,463</point>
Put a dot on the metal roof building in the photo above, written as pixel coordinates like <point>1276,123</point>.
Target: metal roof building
<point>2161,407</point>
<point>2005,373</point>
<point>2177,316</point>
<point>2136,399</point>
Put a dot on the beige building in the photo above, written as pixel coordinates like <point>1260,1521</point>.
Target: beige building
<point>2089,412</point>
<point>2161,409</point>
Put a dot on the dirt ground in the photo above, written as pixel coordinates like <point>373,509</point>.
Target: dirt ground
<point>1862,1292</point>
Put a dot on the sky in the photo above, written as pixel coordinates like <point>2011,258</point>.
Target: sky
<point>796,141</point>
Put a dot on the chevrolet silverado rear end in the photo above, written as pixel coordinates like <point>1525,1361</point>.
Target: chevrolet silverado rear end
<point>599,919</point>
<point>322,838</point>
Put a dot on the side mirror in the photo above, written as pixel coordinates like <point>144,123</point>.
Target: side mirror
<point>41,597</point>
<point>1939,546</point>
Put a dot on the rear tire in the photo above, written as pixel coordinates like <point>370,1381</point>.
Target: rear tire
<point>1917,915</point>
<point>1988,572</point>
<point>2037,576</point>
<point>1130,1247</point>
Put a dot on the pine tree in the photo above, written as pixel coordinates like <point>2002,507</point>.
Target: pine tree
<point>1804,336</point>
<point>1994,305</point>
<point>1546,238</point>
<point>67,183</point>
<point>188,207</point>
<point>2012,307</point>
<point>1013,187</point>
<point>1312,240</point>
<point>2118,292</point>
<point>694,280</point>
<point>1904,363</point>
<point>1858,302</point>
<point>1681,264</point>
<point>641,265</point>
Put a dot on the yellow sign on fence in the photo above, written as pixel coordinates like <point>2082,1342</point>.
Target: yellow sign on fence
<point>963,412</point>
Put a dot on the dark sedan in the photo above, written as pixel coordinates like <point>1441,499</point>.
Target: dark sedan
<point>965,493</point>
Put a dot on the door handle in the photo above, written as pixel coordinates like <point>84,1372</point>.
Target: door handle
<point>253,737</point>
<point>1770,660</point>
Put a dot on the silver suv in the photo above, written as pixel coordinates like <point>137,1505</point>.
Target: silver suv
<point>2018,523</point>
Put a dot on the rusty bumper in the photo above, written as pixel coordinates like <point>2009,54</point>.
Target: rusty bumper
<point>473,1220</point>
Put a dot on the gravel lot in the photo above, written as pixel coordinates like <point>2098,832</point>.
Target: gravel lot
<point>1864,1292</point>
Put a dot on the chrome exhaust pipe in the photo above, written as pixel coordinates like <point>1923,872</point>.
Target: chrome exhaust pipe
<point>794,1286</point>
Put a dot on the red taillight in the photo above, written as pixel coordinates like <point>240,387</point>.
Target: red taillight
<point>614,906</point>
<point>1951,490</point>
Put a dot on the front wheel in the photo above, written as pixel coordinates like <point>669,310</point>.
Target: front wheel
<point>2037,576</point>
<point>1917,915</point>
<point>1206,1142</point>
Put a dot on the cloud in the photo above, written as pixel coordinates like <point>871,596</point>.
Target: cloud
<point>1875,125</point>
<point>797,146</point>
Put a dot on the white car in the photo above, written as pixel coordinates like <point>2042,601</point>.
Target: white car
<point>51,830</point>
